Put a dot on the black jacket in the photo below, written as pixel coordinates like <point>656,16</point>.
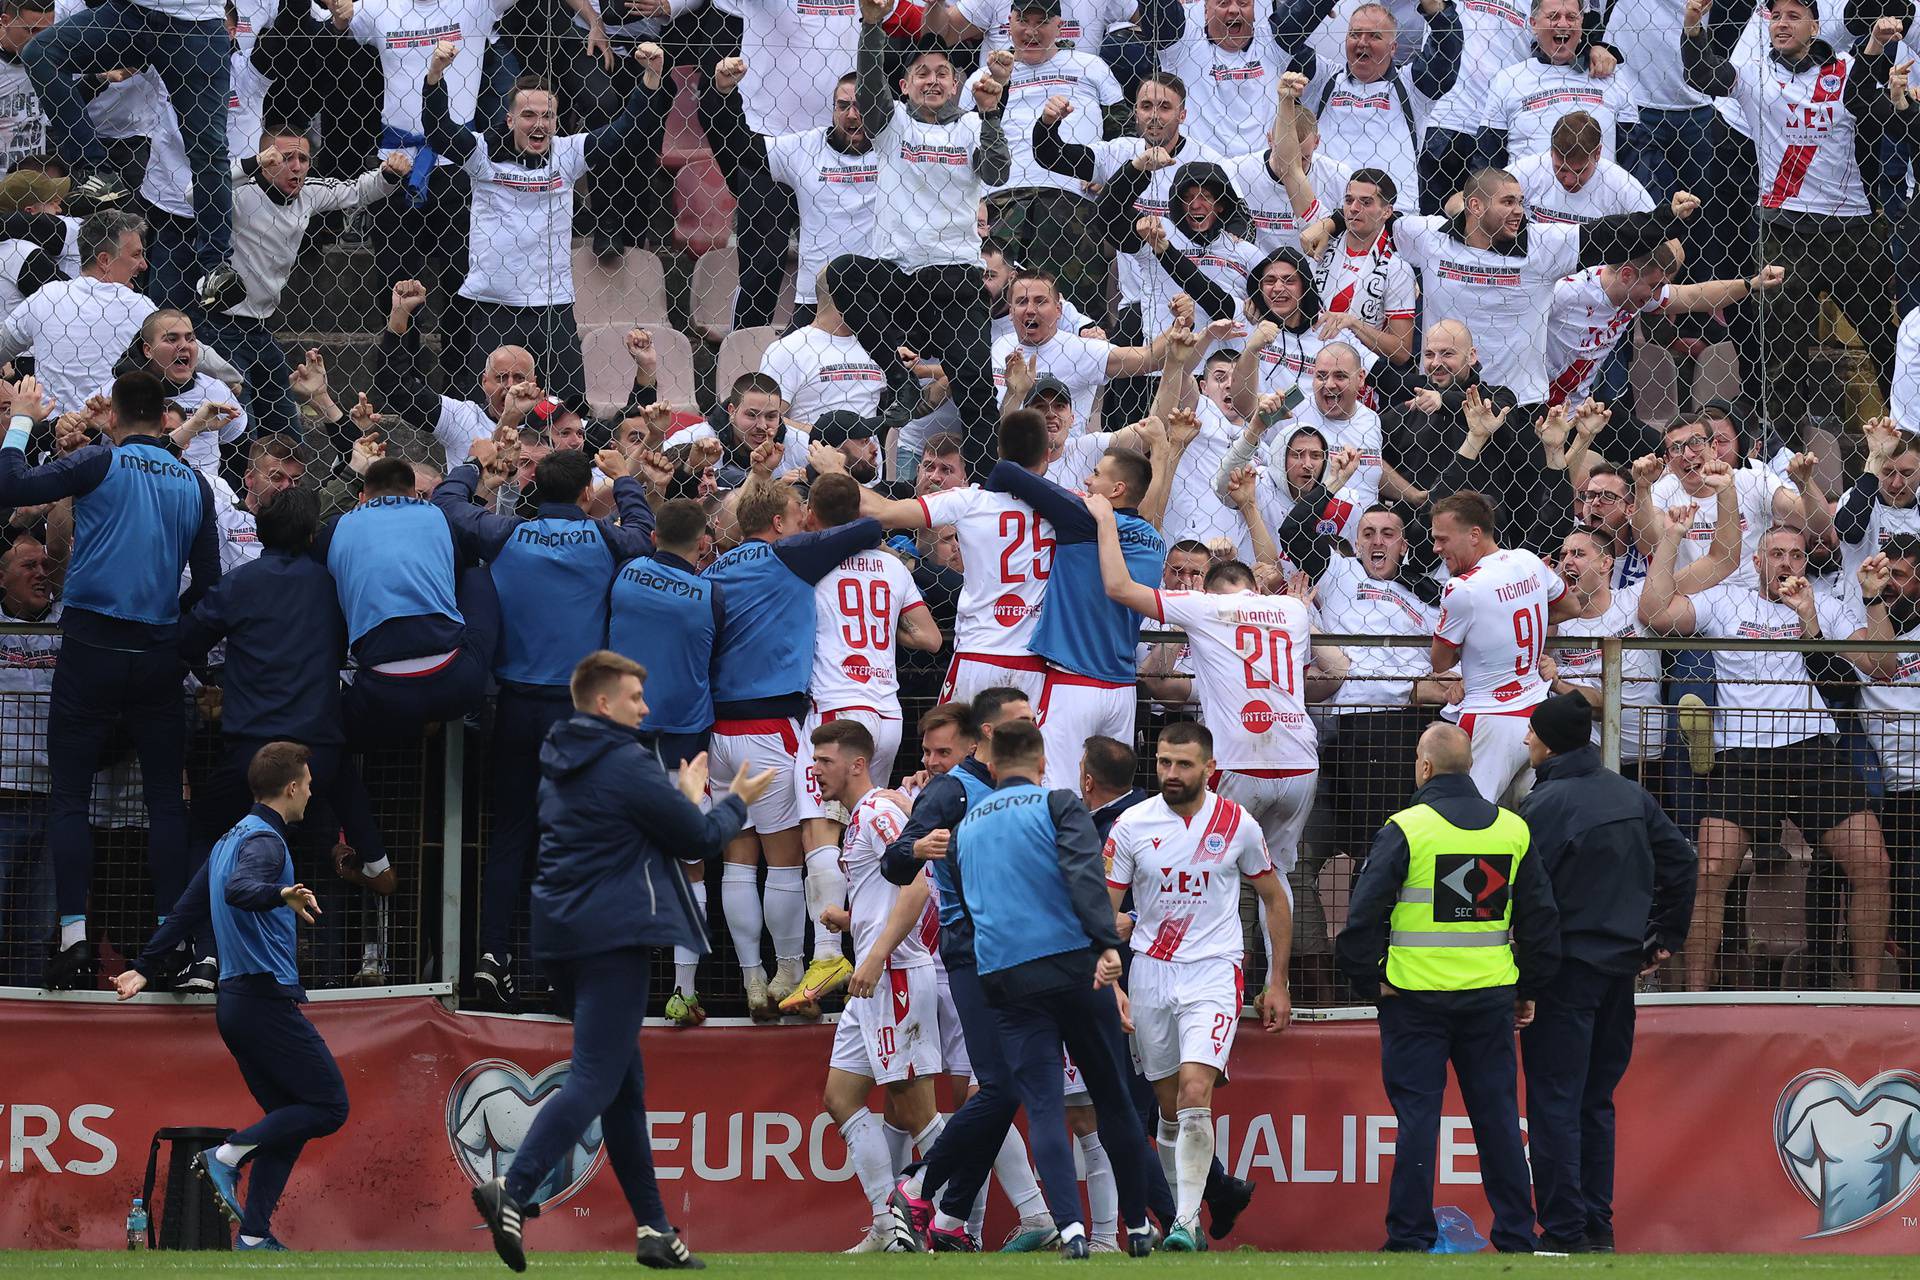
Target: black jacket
<point>1361,949</point>
<point>612,831</point>
<point>286,643</point>
<point>1622,873</point>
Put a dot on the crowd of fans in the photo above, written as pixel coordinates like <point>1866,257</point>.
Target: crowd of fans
<point>1273,280</point>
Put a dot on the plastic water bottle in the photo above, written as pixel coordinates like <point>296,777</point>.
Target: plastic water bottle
<point>1457,1234</point>
<point>137,1225</point>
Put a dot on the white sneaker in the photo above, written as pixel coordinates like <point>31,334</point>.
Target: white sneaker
<point>875,1241</point>
<point>760,1006</point>
<point>787,977</point>
<point>1097,1245</point>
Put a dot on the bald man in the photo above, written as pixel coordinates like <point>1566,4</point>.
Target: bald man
<point>1451,930</point>
<point>1420,408</point>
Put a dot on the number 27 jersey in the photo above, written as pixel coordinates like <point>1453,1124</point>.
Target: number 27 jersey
<point>1008,554</point>
<point>1185,875</point>
<point>1250,657</point>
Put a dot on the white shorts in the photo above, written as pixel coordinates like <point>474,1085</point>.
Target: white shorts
<point>1073,1089</point>
<point>1279,805</point>
<point>969,673</point>
<point>1500,770</point>
<point>1073,708</point>
<point>953,1043</point>
<point>1183,1011</point>
<point>893,1034</point>
<point>886,745</point>
<point>760,745</point>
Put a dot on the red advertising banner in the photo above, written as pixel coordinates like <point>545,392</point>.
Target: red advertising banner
<point>1806,1118</point>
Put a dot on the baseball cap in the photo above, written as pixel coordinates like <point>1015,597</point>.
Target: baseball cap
<point>1048,385</point>
<point>842,425</point>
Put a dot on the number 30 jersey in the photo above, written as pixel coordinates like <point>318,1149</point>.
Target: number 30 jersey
<point>1007,552</point>
<point>1496,612</point>
<point>1250,657</point>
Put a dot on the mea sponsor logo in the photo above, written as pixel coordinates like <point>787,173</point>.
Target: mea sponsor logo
<point>39,1139</point>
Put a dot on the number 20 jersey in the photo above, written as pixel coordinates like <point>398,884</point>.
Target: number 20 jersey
<point>1250,657</point>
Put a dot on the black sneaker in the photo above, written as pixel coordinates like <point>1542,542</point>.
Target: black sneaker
<point>221,289</point>
<point>202,976</point>
<point>493,985</point>
<point>503,1216</point>
<point>1599,1244</point>
<point>74,969</point>
<point>1074,1248</point>
<point>905,405</point>
<point>1141,1240</point>
<point>662,1250</point>
<point>102,190</point>
<point>170,970</point>
<point>1226,1205</point>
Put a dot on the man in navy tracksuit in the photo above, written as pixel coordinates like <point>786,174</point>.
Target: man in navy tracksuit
<point>957,748</point>
<point>665,616</point>
<point>139,518</point>
<point>1031,880</point>
<point>1624,877</point>
<point>422,632</point>
<point>552,573</point>
<point>286,641</point>
<point>608,892</point>
<point>286,1064</point>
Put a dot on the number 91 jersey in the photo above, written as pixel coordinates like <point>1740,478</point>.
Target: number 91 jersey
<point>1250,657</point>
<point>1496,613</point>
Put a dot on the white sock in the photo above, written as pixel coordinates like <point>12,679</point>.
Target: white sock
<point>1016,1178</point>
<point>686,961</point>
<point>868,1146</point>
<point>925,1139</point>
<point>1194,1156</point>
<point>228,1154</point>
<point>376,865</point>
<point>826,887</point>
<point>1166,1139</point>
<point>917,1184</point>
<point>1072,1231</point>
<point>977,1216</point>
<point>946,1221</point>
<point>72,929</point>
<point>740,899</point>
<point>786,904</point>
<point>251,1239</point>
<point>1103,1194</point>
<point>899,1145</point>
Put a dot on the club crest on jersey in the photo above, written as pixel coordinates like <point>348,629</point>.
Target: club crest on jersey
<point>1829,83</point>
<point>1215,843</point>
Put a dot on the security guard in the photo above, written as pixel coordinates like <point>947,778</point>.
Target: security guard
<point>1627,877</point>
<point>1452,928</point>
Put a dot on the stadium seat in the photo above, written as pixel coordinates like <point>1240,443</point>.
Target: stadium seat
<point>1656,384</point>
<point>702,207</point>
<point>1336,886</point>
<point>631,290</point>
<point>740,352</point>
<point>1777,908</point>
<point>716,277</point>
<point>1716,374</point>
<point>610,369</point>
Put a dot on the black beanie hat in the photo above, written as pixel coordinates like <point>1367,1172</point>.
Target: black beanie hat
<point>1564,723</point>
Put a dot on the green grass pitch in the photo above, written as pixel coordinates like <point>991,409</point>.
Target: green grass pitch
<point>817,1266</point>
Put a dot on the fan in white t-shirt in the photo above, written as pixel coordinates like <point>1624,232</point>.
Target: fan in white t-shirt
<point>821,367</point>
<point>1083,365</point>
<point>1572,181</point>
<point>1526,99</point>
<point>1764,498</point>
<point>1227,56</point>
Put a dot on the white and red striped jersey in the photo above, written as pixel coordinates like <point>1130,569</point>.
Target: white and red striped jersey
<point>1367,281</point>
<point>1008,553</point>
<point>874,823</point>
<point>1185,875</point>
<point>1250,656</point>
<point>1583,328</point>
<point>1496,613</point>
<point>856,610</point>
<point>1804,136</point>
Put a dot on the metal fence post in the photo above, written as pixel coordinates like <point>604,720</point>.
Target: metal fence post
<point>1610,664</point>
<point>453,805</point>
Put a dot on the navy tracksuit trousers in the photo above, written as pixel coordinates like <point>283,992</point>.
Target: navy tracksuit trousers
<point>292,1075</point>
<point>521,719</point>
<point>1575,1053</point>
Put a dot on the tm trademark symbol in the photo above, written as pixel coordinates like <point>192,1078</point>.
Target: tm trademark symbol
<point>1909,1222</point>
<point>578,1212</point>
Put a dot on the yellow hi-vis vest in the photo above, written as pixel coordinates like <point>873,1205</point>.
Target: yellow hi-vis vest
<point>1451,928</point>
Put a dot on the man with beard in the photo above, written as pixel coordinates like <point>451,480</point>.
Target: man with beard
<point>753,419</point>
<point>1369,292</point>
<point>519,285</point>
<point>831,171</point>
<point>822,368</point>
<point>1422,414</point>
<point>918,284</point>
<point>1778,754</point>
<point>1371,112</point>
